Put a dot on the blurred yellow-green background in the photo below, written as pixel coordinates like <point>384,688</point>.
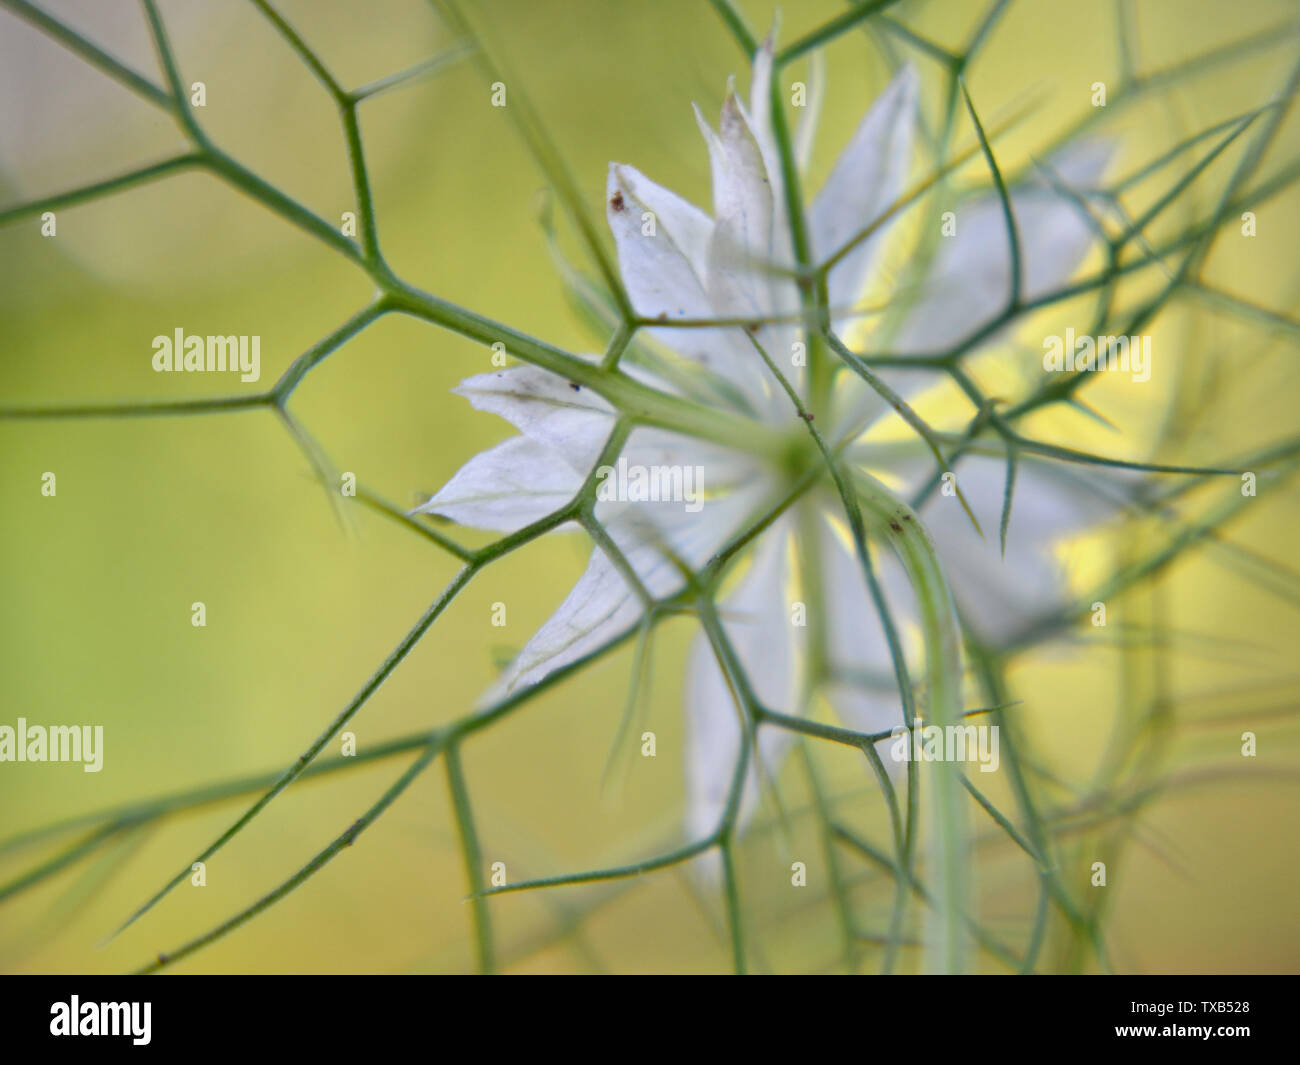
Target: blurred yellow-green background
<point>305,598</point>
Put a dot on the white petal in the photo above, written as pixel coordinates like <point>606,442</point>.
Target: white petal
<point>506,487</point>
<point>717,470</point>
<point>575,421</point>
<point>1002,596</point>
<point>969,282</point>
<point>655,267</point>
<point>970,279</point>
<point>864,692</point>
<point>662,283</point>
<point>868,177</point>
<point>599,608</point>
<point>603,605</point>
<point>751,245</point>
<point>689,228</point>
<point>855,638</point>
<point>742,198</point>
<point>760,101</point>
<point>760,122</point>
<point>756,619</point>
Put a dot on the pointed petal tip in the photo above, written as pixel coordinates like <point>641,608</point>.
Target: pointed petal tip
<point>903,89</point>
<point>706,128</point>
<point>618,189</point>
<point>908,78</point>
<point>734,117</point>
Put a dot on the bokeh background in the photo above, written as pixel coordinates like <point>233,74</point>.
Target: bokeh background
<point>305,599</point>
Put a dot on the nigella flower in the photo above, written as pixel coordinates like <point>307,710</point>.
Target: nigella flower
<point>678,262</point>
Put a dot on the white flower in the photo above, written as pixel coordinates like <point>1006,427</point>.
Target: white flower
<point>688,265</point>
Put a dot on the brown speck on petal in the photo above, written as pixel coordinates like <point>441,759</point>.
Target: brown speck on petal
<point>616,201</point>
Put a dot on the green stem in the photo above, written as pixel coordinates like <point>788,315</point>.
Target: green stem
<point>938,617</point>
<point>469,846</point>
